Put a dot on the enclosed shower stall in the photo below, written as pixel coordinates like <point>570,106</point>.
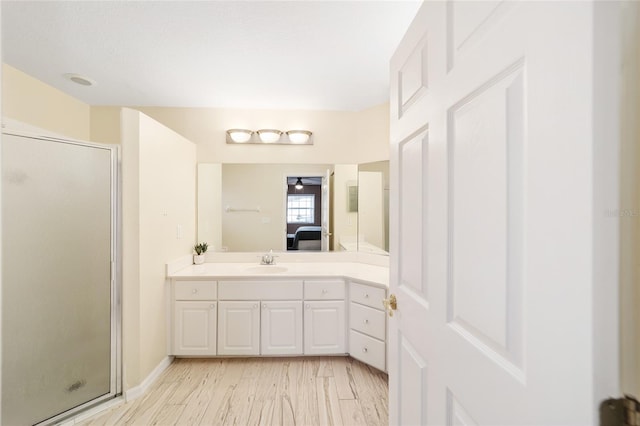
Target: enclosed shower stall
<point>60,295</point>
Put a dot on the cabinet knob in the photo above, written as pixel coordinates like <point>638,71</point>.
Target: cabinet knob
<point>255,305</point>
<point>308,306</point>
<point>366,321</point>
<point>324,291</point>
<point>366,295</point>
<point>213,306</point>
<point>264,306</point>
<point>194,291</point>
<point>365,350</point>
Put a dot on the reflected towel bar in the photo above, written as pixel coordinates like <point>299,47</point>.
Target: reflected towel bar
<point>228,209</point>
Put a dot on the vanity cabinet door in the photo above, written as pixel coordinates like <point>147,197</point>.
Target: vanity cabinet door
<point>194,329</point>
<point>281,328</point>
<point>324,327</point>
<point>239,328</point>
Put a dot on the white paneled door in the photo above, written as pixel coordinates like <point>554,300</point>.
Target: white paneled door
<point>499,245</point>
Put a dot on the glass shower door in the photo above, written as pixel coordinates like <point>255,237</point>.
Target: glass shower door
<point>58,288</point>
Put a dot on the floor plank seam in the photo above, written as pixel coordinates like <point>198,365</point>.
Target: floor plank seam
<point>259,391</point>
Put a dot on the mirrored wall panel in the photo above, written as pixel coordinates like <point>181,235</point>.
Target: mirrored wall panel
<point>244,207</point>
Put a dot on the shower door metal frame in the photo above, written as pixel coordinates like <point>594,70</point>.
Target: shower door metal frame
<point>116,272</point>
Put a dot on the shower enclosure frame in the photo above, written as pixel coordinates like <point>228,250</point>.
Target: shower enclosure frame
<point>116,352</point>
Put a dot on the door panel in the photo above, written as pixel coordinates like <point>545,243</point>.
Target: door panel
<point>492,223</point>
<point>456,413</point>
<point>195,328</point>
<point>239,328</point>
<point>412,77</point>
<point>324,327</point>
<point>467,22</point>
<point>412,372</point>
<point>413,182</point>
<point>485,164</point>
<point>281,328</point>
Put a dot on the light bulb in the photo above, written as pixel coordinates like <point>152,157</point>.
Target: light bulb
<point>239,135</point>
<point>269,135</point>
<point>299,136</point>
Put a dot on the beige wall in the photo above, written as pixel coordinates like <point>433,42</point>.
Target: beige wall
<point>630,202</point>
<point>34,103</point>
<point>30,101</point>
<point>247,186</point>
<point>372,134</point>
<point>371,208</point>
<point>105,124</point>
<point>210,205</point>
<point>345,223</point>
<point>159,224</point>
<point>383,168</point>
<point>339,136</point>
<point>131,248</point>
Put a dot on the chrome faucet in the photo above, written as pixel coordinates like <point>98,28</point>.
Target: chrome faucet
<point>268,258</point>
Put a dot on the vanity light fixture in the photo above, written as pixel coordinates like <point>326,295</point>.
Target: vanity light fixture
<point>299,184</point>
<point>269,136</point>
<point>299,136</point>
<point>240,135</point>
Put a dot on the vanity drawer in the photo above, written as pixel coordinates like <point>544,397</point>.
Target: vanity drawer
<point>260,290</point>
<point>195,290</point>
<point>367,349</point>
<point>367,320</point>
<point>368,295</point>
<point>324,290</point>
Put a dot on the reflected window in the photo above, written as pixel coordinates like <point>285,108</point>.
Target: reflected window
<point>300,208</point>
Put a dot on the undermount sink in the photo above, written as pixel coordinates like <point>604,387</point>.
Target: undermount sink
<point>267,269</point>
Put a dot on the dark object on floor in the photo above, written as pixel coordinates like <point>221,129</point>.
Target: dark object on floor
<point>620,412</point>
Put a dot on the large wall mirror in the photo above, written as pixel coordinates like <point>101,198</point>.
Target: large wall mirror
<point>243,207</point>
<point>373,207</point>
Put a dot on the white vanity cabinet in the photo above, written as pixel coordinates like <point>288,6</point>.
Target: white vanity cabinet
<point>367,324</point>
<point>194,318</point>
<point>239,327</point>
<point>260,317</point>
<point>247,316</point>
<point>281,328</point>
<point>324,317</point>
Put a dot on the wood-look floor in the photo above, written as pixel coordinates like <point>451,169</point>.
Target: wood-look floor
<point>259,391</point>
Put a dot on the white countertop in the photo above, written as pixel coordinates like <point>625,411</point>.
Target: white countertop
<point>359,271</point>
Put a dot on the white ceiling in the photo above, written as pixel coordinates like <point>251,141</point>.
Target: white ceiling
<point>243,54</point>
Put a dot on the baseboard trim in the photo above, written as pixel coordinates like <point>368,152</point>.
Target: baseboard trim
<point>142,388</point>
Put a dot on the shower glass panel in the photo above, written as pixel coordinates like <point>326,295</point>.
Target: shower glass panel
<point>58,316</point>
